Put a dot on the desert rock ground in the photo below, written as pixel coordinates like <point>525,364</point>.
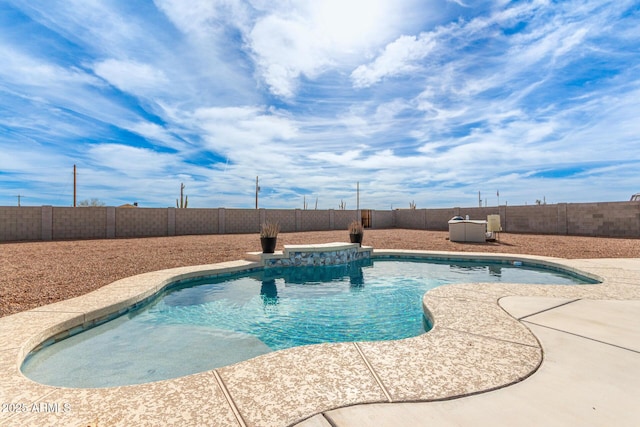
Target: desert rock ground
<point>39,273</point>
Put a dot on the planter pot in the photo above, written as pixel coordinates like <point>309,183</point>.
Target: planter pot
<point>268,244</point>
<point>356,238</point>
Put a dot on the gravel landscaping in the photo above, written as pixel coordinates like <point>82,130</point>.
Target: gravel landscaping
<point>38,273</point>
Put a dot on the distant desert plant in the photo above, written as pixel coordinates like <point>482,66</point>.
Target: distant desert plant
<point>184,200</point>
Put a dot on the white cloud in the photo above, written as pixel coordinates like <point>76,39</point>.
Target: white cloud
<point>570,41</point>
<point>248,138</point>
<point>131,76</point>
<point>109,29</point>
<point>130,161</point>
<point>204,18</point>
<point>23,69</point>
<point>233,127</point>
<point>308,38</point>
<point>422,54</point>
<point>459,3</point>
<point>366,120</point>
<point>61,100</point>
<point>157,133</point>
<point>399,57</point>
<point>285,50</point>
<point>346,158</point>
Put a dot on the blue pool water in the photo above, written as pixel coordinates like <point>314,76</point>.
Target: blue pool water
<point>212,322</point>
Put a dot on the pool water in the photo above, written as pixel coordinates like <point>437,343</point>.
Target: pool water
<point>212,322</point>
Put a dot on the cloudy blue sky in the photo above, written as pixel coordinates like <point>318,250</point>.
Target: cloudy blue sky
<point>428,101</point>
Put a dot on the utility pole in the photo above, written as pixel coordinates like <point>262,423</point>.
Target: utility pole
<point>257,191</point>
<point>74,186</point>
<point>19,196</point>
<point>479,200</point>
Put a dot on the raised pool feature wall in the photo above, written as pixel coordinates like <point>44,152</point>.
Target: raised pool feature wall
<point>314,255</point>
<point>611,219</point>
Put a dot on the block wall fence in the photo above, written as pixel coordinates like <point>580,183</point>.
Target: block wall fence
<point>611,219</point>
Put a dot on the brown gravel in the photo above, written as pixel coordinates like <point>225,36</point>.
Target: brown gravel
<point>38,273</point>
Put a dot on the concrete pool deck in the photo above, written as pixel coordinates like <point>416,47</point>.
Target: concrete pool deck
<point>572,357</point>
<point>590,376</point>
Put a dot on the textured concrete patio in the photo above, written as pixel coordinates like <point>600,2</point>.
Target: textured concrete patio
<point>590,375</point>
<point>585,340</point>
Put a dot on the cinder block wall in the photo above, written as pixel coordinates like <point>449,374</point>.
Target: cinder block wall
<point>134,222</point>
<point>312,220</point>
<point>438,219</point>
<point>382,219</point>
<point>342,219</point>
<point>196,221</point>
<point>242,221</point>
<point>603,219</point>
<point>614,219</point>
<point>531,219</point>
<point>286,218</point>
<point>411,218</point>
<point>24,223</point>
<point>75,223</point>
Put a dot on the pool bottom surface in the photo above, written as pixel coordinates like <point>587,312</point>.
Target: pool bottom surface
<point>214,322</point>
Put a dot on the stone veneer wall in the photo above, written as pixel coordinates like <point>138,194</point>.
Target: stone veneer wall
<point>315,258</point>
<point>612,219</point>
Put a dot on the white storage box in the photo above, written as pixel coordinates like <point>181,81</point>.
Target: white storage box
<point>467,231</point>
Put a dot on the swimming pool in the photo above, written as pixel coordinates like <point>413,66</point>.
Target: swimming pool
<point>206,323</point>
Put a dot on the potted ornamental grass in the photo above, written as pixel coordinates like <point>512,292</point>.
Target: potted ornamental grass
<point>269,236</point>
<point>356,232</point>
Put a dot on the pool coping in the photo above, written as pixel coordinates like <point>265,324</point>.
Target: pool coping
<point>474,346</point>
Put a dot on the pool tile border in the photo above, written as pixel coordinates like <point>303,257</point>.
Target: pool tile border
<point>457,357</point>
